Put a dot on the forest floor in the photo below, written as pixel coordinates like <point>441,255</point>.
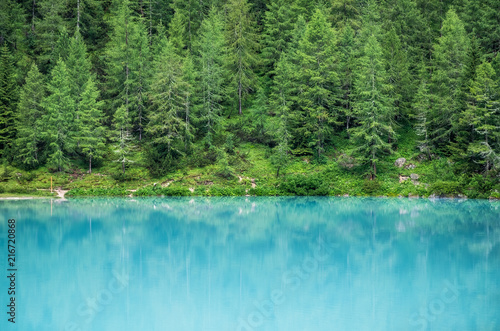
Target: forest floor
<point>250,172</point>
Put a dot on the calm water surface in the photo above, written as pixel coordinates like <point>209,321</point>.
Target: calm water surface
<point>253,264</point>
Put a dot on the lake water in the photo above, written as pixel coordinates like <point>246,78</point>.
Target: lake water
<point>253,264</point>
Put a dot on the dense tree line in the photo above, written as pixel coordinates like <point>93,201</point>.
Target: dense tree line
<point>86,80</point>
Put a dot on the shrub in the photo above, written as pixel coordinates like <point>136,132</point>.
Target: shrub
<point>304,185</point>
<point>445,188</point>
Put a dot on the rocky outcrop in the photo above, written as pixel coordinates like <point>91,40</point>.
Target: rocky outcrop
<point>400,162</point>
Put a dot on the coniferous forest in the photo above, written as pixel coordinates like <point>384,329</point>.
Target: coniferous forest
<point>265,97</point>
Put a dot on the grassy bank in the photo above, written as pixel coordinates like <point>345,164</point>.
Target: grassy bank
<point>249,172</point>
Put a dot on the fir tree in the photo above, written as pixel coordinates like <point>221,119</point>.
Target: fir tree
<point>91,132</point>
<point>421,109</point>
<point>60,114</point>
<point>242,41</point>
<point>483,117</point>
<point>318,82</point>
<point>450,56</point>
<point>29,142</point>
<point>8,99</point>
<point>211,87</point>
<point>373,108</point>
<point>281,100</point>
<point>166,123</point>
<point>277,34</point>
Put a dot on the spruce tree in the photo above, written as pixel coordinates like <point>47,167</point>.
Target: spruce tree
<point>482,116</point>
<point>450,57</point>
<point>59,107</point>
<point>166,123</point>
<point>29,139</point>
<point>277,34</point>
<point>128,66</point>
<point>318,82</point>
<point>8,99</point>
<point>397,67</point>
<point>211,66</point>
<point>373,108</point>
<point>91,132</point>
<point>242,42</point>
<point>281,100</point>
<point>421,112</point>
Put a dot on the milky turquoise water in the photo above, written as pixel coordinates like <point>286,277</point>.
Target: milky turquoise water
<point>253,264</point>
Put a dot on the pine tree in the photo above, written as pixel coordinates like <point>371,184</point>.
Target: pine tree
<point>178,34</point>
<point>211,86</point>
<point>60,113</point>
<point>346,66</point>
<point>166,123</point>
<point>91,132</point>
<point>373,108</point>
<point>128,68</point>
<point>318,82</point>
<point>277,34</point>
<point>29,142</point>
<point>281,101</point>
<point>450,56</point>
<point>48,27</point>
<point>8,99</point>
<point>191,14</point>
<point>190,78</point>
<point>483,117</point>
<point>242,41</point>
<point>397,67</point>
<point>421,109</point>
<point>345,13</point>
<point>122,136</point>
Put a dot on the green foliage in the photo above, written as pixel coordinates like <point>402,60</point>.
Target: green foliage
<point>8,99</point>
<point>304,185</point>
<point>242,46</point>
<point>446,188</point>
<point>59,117</point>
<point>373,109</point>
<point>29,141</point>
<point>259,89</point>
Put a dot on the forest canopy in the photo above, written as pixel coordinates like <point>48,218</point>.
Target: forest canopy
<point>182,82</point>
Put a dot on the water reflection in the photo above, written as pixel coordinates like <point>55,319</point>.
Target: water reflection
<point>257,264</point>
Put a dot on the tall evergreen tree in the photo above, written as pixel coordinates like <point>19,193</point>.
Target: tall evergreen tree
<point>29,142</point>
<point>166,123</point>
<point>450,57</point>
<point>128,68</point>
<point>397,67</point>
<point>421,112</point>
<point>282,101</point>
<point>242,41</point>
<point>91,132</point>
<point>211,87</point>
<point>482,116</point>
<point>8,98</point>
<point>59,107</point>
<point>48,27</point>
<point>317,82</point>
<point>373,108</point>
<point>277,34</point>
<point>346,66</point>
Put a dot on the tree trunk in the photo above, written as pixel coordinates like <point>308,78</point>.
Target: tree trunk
<point>90,164</point>
<point>123,167</point>
<point>78,15</point>
<point>239,97</point>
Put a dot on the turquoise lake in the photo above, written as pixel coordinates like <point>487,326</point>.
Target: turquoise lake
<point>253,263</point>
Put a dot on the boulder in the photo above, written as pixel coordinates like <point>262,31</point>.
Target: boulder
<point>400,162</point>
<point>410,166</point>
<point>403,178</point>
<point>414,176</point>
